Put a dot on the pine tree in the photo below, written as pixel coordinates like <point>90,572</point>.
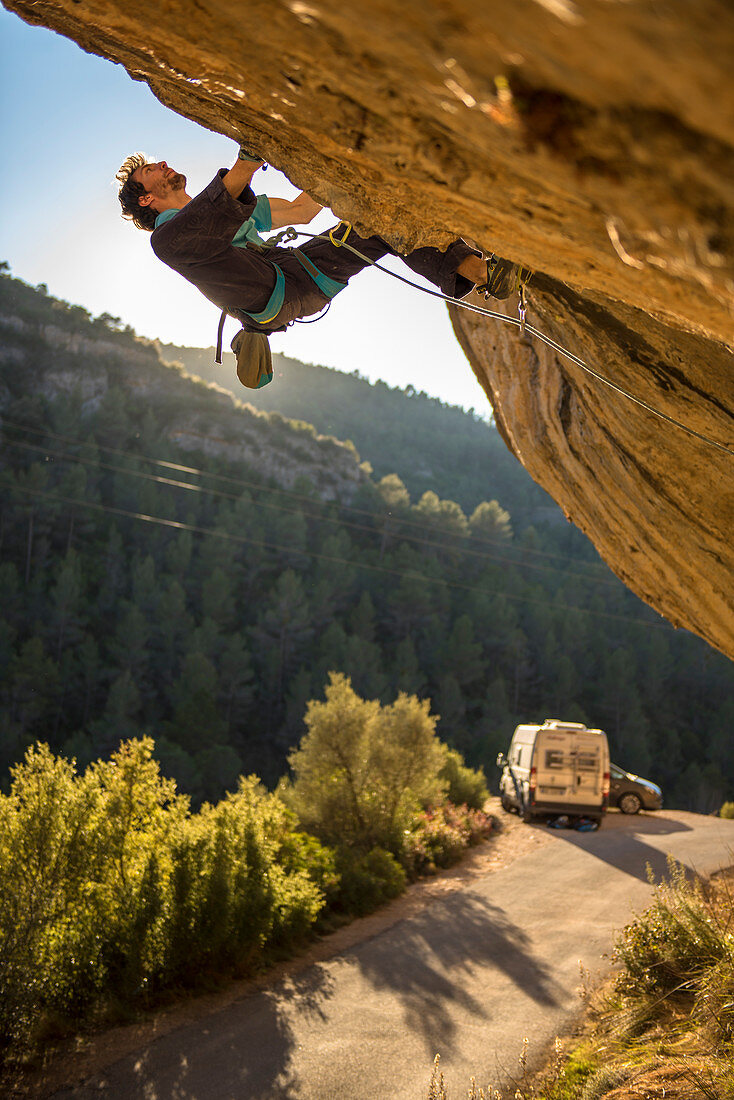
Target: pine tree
<point>490,521</point>
<point>197,720</point>
<point>31,695</point>
<point>119,720</point>
<point>67,621</point>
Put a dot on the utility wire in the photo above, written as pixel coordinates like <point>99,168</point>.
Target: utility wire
<point>259,487</point>
<point>332,558</point>
<point>397,535</point>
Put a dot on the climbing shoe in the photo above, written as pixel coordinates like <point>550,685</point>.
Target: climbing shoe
<point>503,278</point>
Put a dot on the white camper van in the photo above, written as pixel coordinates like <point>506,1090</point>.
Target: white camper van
<point>559,767</point>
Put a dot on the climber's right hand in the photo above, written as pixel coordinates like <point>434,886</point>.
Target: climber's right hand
<point>247,154</point>
<point>240,175</point>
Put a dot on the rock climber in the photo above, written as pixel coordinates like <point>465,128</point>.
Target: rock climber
<point>212,239</point>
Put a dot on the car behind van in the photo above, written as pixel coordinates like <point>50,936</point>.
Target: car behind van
<point>631,793</point>
<point>556,768</point>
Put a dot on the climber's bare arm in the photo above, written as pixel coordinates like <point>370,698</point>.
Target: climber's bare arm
<point>240,175</point>
<point>299,211</point>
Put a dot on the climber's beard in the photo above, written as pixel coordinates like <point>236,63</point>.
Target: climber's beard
<point>176,181</point>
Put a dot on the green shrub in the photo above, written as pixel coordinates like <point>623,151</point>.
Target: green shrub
<point>727,811</point>
<point>302,852</point>
<point>714,1006</point>
<point>111,891</point>
<point>82,882</point>
<point>438,838</point>
<point>673,944</point>
<point>362,770</point>
<point>672,1014</point>
<point>465,786</point>
<point>368,880</point>
<point>445,840</point>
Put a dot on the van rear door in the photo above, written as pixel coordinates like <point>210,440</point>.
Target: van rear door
<point>588,768</point>
<point>570,768</point>
<point>553,760</point>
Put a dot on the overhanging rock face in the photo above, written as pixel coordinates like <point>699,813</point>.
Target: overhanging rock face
<point>589,139</point>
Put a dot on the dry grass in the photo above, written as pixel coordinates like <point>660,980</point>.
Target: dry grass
<point>662,1028</point>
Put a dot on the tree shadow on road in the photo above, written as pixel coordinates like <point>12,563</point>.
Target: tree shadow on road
<point>428,960</point>
<point>243,1050</point>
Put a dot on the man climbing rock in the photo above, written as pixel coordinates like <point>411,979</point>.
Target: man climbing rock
<point>212,240</point>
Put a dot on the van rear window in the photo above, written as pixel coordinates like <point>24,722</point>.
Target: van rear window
<point>553,758</point>
<point>587,761</point>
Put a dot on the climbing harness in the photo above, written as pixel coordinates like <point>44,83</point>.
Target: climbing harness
<point>254,362</point>
<point>275,301</point>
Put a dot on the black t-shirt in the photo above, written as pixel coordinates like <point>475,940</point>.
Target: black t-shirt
<point>197,243</point>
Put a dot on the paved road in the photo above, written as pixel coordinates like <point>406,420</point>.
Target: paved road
<point>467,977</point>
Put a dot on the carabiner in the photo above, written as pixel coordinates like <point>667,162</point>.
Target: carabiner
<point>339,241</point>
<point>522,306</point>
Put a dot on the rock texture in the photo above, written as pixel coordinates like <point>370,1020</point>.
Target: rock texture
<point>590,139</point>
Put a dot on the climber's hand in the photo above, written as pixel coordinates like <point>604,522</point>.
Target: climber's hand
<point>240,175</point>
<point>248,154</point>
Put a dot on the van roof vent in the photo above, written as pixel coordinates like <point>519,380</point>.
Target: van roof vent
<point>555,722</point>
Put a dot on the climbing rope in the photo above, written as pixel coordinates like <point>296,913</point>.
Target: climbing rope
<point>290,234</point>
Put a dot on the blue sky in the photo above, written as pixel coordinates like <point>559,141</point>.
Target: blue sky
<point>68,121</point>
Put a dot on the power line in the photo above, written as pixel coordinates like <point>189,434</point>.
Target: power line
<point>332,558</point>
<point>259,487</point>
<point>340,523</point>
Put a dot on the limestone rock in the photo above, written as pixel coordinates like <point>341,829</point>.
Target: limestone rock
<point>589,139</point>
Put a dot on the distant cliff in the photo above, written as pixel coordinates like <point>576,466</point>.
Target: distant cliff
<point>431,445</point>
<point>591,141</point>
<point>46,339</point>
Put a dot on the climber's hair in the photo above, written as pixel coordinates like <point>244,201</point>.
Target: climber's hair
<point>130,191</point>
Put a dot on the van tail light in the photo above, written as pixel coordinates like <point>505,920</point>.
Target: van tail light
<point>533,782</point>
<point>605,787</point>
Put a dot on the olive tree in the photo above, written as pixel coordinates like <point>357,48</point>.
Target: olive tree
<point>362,769</point>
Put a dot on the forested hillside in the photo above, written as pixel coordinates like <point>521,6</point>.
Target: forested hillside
<point>433,446</point>
<point>162,581</point>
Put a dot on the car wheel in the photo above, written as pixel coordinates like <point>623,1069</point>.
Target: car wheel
<point>506,804</point>
<point>527,815</point>
<point>629,803</point>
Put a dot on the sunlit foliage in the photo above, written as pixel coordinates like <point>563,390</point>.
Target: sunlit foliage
<point>112,890</point>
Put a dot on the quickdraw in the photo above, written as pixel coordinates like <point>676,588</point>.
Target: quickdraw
<point>522,305</point>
